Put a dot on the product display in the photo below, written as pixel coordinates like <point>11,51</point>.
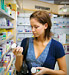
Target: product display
<point>23,27</point>
<point>34,70</point>
<point>7,22</point>
<point>15,26</point>
<point>13,45</point>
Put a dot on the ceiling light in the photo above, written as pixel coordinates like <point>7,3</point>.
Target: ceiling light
<point>64,8</point>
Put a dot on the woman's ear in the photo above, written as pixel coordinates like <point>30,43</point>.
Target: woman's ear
<point>46,25</point>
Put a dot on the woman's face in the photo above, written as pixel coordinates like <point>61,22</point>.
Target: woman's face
<point>37,28</point>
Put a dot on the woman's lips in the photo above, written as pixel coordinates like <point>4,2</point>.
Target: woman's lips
<point>34,33</point>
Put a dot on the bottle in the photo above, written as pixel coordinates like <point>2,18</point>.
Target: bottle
<point>34,70</point>
<point>10,8</point>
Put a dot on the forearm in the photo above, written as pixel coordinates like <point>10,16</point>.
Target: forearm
<point>56,72</point>
<point>18,62</point>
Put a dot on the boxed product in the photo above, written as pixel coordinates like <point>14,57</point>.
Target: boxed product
<point>64,38</point>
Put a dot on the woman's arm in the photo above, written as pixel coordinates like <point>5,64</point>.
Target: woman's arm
<point>18,62</point>
<point>19,57</point>
<point>62,68</point>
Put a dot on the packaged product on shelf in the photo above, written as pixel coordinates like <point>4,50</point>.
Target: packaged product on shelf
<point>1,36</point>
<point>2,71</point>
<point>2,4</point>
<point>64,38</point>
<point>4,35</point>
<point>7,46</point>
<point>5,64</point>
<point>4,48</point>
<point>10,72</point>
<point>13,13</point>
<point>8,10</point>
<point>1,48</point>
<point>9,33</point>
<point>13,45</point>
<point>8,57</point>
<point>11,55</point>
<point>3,22</point>
<point>0,53</point>
<point>66,48</point>
<point>67,38</point>
<point>4,32</point>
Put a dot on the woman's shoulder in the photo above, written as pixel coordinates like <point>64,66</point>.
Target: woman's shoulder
<point>28,38</point>
<point>56,43</point>
<point>58,48</point>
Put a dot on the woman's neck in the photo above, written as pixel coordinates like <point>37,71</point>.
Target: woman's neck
<point>43,40</point>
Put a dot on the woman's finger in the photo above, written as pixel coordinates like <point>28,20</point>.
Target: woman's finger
<point>39,68</point>
<point>20,50</point>
<point>14,50</point>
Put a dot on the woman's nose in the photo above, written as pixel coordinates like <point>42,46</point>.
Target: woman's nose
<point>33,29</point>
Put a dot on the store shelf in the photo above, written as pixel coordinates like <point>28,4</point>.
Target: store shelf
<point>19,40</point>
<point>9,66</point>
<point>66,44</point>
<point>23,25</point>
<point>5,52</point>
<point>1,42</point>
<point>6,27</point>
<point>12,71</point>
<point>66,53</point>
<point>4,14</point>
<point>62,28</point>
<point>24,32</point>
<point>23,16</point>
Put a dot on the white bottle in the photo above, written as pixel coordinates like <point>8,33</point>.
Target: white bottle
<point>13,45</point>
<point>33,70</point>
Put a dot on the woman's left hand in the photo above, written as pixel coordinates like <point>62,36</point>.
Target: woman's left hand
<point>42,71</point>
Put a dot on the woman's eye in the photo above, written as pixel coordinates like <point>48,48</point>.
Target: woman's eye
<point>31,27</point>
<point>36,27</point>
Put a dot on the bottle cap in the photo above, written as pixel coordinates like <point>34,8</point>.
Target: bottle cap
<point>13,45</point>
<point>38,70</point>
<point>33,70</point>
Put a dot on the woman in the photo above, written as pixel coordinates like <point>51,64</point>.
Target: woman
<point>43,51</point>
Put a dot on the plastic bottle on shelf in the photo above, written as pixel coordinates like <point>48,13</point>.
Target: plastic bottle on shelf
<point>13,13</point>
<point>13,45</point>
<point>1,36</point>
<point>8,10</point>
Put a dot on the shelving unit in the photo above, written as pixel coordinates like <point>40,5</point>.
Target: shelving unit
<point>66,44</point>
<point>23,27</point>
<point>9,66</point>
<point>4,14</point>
<point>6,52</point>
<point>60,25</point>
<point>6,27</point>
<point>24,32</point>
<point>11,36</point>
<point>1,42</point>
<point>60,28</point>
<point>13,71</point>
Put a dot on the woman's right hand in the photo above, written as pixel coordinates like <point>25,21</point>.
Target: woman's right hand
<point>18,51</point>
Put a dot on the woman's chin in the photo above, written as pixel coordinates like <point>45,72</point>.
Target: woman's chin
<point>35,36</point>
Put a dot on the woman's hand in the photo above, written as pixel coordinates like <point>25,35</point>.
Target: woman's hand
<point>18,51</point>
<point>42,71</point>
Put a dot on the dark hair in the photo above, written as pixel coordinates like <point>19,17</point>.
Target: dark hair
<point>43,17</point>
